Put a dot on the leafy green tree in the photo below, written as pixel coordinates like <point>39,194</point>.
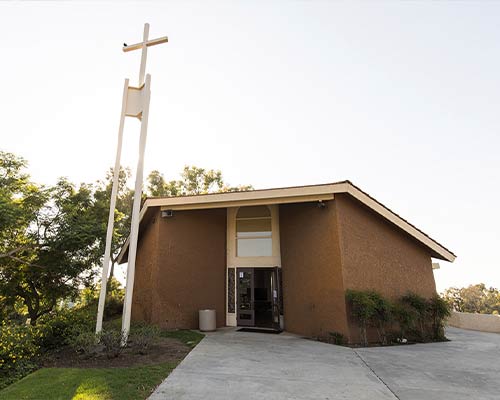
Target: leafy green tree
<point>473,299</point>
<point>49,239</point>
<point>193,181</point>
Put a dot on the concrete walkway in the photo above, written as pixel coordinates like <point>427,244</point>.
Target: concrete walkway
<point>237,365</point>
<point>240,365</point>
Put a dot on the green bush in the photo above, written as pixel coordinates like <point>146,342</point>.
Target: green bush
<point>17,344</point>
<point>113,307</point>
<point>438,310</point>
<point>337,338</point>
<point>18,348</point>
<point>111,341</point>
<point>85,342</point>
<point>142,337</point>
<point>420,306</point>
<point>55,329</point>
<point>363,309</point>
<point>418,319</point>
<point>89,297</point>
<point>405,316</point>
<point>382,315</point>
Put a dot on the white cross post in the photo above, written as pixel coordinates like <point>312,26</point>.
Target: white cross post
<point>135,103</point>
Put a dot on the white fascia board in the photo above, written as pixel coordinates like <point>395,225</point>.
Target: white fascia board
<point>276,196</point>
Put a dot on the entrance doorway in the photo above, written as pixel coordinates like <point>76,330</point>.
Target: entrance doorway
<point>258,297</point>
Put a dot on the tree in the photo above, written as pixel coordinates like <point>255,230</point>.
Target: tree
<point>52,238</point>
<point>49,239</point>
<point>194,180</point>
<point>473,299</point>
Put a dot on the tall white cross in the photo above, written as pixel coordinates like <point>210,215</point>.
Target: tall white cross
<point>135,103</point>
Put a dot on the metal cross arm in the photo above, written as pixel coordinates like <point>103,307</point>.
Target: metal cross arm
<point>149,43</point>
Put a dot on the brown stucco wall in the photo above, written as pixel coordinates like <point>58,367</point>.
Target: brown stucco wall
<point>189,273</point>
<point>146,263</point>
<point>376,255</point>
<point>313,290</point>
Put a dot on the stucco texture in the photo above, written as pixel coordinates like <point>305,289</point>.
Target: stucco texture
<point>313,290</point>
<point>376,255</point>
<point>186,269</point>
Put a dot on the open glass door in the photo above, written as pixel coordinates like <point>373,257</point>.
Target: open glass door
<point>276,297</point>
<point>245,297</point>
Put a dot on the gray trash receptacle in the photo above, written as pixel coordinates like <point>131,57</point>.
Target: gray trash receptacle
<point>207,320</point>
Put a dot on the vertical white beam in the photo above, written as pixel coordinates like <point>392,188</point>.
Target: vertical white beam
<point>144,54</point>
<point>111,217</point>
<point>134,231</point>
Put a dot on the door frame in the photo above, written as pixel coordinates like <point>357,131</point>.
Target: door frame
<point>276,314</point>
<point>275,297</point>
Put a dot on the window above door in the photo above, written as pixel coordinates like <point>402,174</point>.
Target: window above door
<point>254,232</point>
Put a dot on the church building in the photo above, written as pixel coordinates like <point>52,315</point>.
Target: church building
<point>276,258</point>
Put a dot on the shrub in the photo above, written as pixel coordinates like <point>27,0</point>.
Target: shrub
<point>56,328</point>
<point>419,319</point>
<point>111,341</point>
<point>142,337</point>
<point>363,310</point>
<point>438,310</point>
<point>382,315</point>
<point>337,338</point>
<point>89,297</point>
<point>420,305</point>
<point>18,348</point>
<point>113,307</point>
<point>17,344</point>
<point>85,342</point>
<point>405,316</point>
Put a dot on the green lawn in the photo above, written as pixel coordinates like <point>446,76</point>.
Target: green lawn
<point>89,384</point>
<point>189,338</point>
<point>130,383</point>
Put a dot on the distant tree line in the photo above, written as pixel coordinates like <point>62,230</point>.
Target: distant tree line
<point>474,299</point>
<point>52,237</point>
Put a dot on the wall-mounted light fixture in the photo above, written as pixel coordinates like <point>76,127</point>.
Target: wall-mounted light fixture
<point>321,204</point>
<point>167,213</point>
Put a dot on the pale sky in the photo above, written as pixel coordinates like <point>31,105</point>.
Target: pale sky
<point>402,98</point>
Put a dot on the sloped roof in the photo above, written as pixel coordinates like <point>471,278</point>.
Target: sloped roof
<point>294,194</point>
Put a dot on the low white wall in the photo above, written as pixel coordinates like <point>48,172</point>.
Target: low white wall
<point>475,322</point>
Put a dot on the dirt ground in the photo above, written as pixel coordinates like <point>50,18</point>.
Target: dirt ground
<point>163,350</point>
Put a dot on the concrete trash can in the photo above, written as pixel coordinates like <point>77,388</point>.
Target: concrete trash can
<point>207,320</point>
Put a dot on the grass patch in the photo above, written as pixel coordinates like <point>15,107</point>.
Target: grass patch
<point>132,383</point>
<point>186,336</point>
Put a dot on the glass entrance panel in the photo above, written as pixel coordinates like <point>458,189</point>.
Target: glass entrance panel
<point>245,297</point>
<point>254,232</point>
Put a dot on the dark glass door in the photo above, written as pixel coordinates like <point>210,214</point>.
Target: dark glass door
<point>245,297</point>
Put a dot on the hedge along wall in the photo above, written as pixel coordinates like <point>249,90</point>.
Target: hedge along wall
<point>475,322</point>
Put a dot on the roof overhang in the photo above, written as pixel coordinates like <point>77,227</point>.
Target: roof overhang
<point>297,194</point>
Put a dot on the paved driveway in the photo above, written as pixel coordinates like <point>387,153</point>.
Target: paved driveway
<point>237,365</point>
<point>467,367</point>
